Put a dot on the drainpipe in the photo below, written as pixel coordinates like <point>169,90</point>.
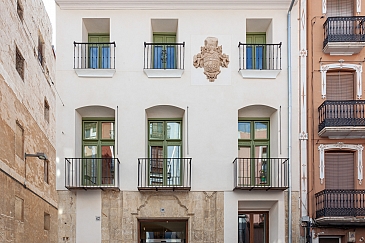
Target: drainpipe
<point>289,123</point>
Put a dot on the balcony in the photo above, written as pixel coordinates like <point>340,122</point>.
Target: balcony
<point>342,119</point>
<point>259,60</point>
<point>94,60</point>
<point>92,173</point>
<point>340,207</point>
<point>164,60</point>
<point>344,35</point>
<point>164,174</point>
<point>261,173</point>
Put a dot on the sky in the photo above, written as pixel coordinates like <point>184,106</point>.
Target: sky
<point>51,10</point>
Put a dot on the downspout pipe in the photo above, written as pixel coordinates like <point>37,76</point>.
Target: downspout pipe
<point>289,123</point>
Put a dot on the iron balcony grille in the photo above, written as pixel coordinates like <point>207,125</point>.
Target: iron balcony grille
<point>94,55</point>
<point>344,29</point>
<point>261,173</point>
<point>164,55</point>
<point>259,56</point>
<point>340,203</point>
<point>164,173</point>
<point>341,113</point>
<point>92,173</point>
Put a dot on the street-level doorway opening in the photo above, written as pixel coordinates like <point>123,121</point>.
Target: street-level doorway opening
<point>163,230</point>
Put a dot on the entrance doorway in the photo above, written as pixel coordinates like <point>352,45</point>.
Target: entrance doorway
<point>164,230</point>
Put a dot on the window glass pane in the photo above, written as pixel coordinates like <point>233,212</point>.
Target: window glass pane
<point>156,130</point>
<point>173,130</point>
<point>261,130</point>
<point>243,228</point>
<point>244,130</point>
<point>156,165</point>
<point>151,230</point>
<point>259,228</point>
<point>261,167</point>
<point>90,130</point>
<point>173,165</point>
<point>244,166</point>
<point>107,130</point>
<point>107,163</point>
<point>90,151</point>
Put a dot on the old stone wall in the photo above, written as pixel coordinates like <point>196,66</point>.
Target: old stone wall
<point>121,211</point>
<point>30,227</point>
<point>296,235</point>
<point>28,199</point>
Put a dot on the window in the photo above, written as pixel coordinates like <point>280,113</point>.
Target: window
<point>46,110</point>
<point>46,170</point>
<point>47,221</point>
<point>255,50</point>
<point>98,152</point>
<point>253,227</point>
<point>19,63</point>
<point>253,146</point>
<point>340,8</point>
<point>40,50</point>
<point>19,10</point>
<point>164,54</point>
<point>339,170</point>
<point>340,85</point>
<point>164,142</point>
<point>99,51</point>
<point>19,140</point>
<point>19,209</point>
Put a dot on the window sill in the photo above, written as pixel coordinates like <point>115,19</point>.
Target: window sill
<point>164,73</point>
<point>95,73</point>
<point>255,73</point>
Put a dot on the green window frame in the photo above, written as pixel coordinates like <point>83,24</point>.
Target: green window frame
<point>98,146</point>
<point>254,146</point>
<point>99,54</point>
<point>256,51</point>
<point>164,56</point>
<point>165,152</point>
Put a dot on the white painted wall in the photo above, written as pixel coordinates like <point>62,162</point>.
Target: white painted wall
<point>213,107</point>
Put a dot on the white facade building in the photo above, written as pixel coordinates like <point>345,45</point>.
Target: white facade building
<point>148,129</point>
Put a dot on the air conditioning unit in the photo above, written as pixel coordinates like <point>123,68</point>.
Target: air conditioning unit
<point>351,237</point>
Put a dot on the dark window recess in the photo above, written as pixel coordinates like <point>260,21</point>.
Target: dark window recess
<point>19,10</point>
<point>19,63</point>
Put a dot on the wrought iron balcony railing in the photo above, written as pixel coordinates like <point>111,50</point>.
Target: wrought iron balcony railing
<point>341,113</point>
<point>164,173</point>
<point>344,29</point>
<point>94,55</point>
<point>340,203</point>
<point>261,173</point>
<point>92,173</point>
<point>164,55</point>
<point>259,56</point>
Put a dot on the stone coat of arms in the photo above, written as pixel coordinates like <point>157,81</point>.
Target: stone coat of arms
<point>211,58</point>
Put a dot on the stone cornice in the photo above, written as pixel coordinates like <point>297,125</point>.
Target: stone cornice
<point>173,4</point>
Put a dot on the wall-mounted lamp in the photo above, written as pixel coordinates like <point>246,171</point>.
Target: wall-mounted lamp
<point>41,156</point>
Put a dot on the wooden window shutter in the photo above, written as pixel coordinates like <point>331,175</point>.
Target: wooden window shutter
<point>340,8</point>
<point>340,86</point>
<point>339,170</point>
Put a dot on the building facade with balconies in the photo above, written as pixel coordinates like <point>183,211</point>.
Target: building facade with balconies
<point>173,121</point>
<point>336,120</point>
<point>28,196</point>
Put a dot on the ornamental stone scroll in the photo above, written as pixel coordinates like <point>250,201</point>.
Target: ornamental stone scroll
<point>211,58</point>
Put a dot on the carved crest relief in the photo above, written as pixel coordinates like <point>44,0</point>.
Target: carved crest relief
<point>211,58</point>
